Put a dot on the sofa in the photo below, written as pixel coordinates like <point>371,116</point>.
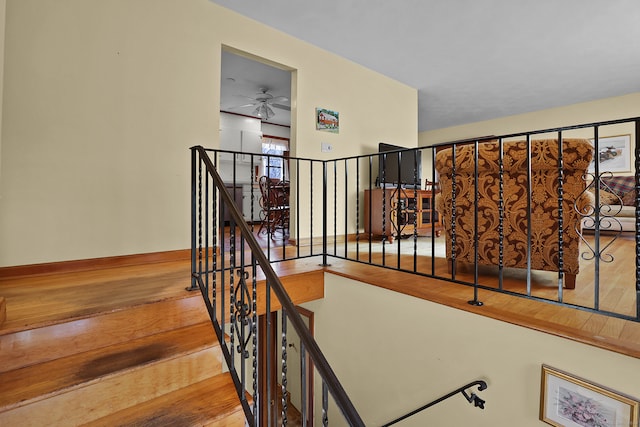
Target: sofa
<point>617,204</point>
<point>459,232</point>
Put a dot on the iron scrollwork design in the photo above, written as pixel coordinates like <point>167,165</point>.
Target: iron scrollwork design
<point>403,207</point>
<point>599,216</point>
<point>242,314</point>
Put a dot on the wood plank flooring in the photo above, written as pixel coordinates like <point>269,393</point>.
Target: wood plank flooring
<point>33,381</point>
<point>47,298</point>
<point>185,407</point>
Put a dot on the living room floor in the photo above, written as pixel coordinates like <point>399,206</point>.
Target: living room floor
<point>616,285</point>
<point>616,267</point>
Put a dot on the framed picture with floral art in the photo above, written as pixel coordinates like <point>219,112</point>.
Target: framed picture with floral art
<point>569,401</point>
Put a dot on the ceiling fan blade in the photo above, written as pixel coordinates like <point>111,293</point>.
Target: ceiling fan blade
<point>279,99</point>
<point>244,96</point>
<point>282,107</point>
<point>242,106</point>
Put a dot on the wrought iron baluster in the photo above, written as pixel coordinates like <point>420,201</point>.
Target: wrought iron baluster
<point>303,385</point>
<point>401,212</point>
<point>501,211</point>
<point>207,218</point>
<point>254,335</point>
<point>561,275</point>
<point>335,205</point>
<point>270,224</point>
<point>325,405</point>
<point>383,183</point>
<point>324,199</point>
<point>200,217</point>
<point>596,190</point>
<point>637,213</point>
<point>325,214</point>
<point>475,301</point>
<point>269,359</point>
<point>243,315</point>
<point>232,295</point>
<point>529,224</point>
<point>284,368</point>
<point>435,214</point>
<point>346,205</point>
<point>453,211</point>
<point>214,216</point>
<point>370,236</point>
<point>297,209</point>
<point>416,209</point>
<point>357,212</point>
<point>602,217</point>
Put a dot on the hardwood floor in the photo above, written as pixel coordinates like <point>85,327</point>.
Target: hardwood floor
<point>616,271</point>
<point>47,298</point>
<point>39,300</point>
<point>112,304</point>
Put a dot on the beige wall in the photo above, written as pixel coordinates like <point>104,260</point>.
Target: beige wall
<point>3,6</point>
<point>102,100</point>
<point>392,361</point>
<point>621,107</point>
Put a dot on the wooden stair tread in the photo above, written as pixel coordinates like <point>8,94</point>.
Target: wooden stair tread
<point>81,294</point>
<point>44,379</point>
<point>24,348</point>
<point>213,401</point>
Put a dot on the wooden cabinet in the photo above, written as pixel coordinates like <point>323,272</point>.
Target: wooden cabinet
<point>395,213</point>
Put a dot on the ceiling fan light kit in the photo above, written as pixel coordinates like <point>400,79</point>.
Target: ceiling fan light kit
<point>264,111</point>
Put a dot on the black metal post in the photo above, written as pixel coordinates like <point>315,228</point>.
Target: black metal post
<point>529,224</point>
<point>501,211</point>
<point>194,214</point>
<point>476,240</point>
<point>561,275</point>
<point>637,174</point>
<point>324,214</point>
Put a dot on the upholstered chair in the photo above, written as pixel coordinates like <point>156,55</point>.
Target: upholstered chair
<point>543,212</point>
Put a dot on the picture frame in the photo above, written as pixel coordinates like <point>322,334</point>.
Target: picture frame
<point>327,120</point>
<point>614,154</point>
<point>570,401</point>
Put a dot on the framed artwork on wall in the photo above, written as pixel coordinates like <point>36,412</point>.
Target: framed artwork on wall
<point>569,401</point>
<point>327,120</point>
<point>614,154</point>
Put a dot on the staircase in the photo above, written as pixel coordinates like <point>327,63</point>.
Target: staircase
<point>147,364</point>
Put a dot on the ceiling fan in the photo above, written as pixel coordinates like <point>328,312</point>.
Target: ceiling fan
<point>263,101</point>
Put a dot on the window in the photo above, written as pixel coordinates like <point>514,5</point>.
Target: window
<point>274,167</point>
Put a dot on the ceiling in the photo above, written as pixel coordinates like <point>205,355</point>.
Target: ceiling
<point>243,79</point>
<point>474,60</point>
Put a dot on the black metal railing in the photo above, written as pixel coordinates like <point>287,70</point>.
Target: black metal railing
<point>237,281</point>
<point>431,222</point>
<point>470,396</point>
<point>356,208</point>
<point>394,224</point>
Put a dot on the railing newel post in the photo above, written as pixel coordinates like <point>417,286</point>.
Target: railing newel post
<point>325,214</point>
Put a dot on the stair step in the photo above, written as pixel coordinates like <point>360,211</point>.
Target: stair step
<point>29,347</point>
<point>85,386</point>
<point>212,402</point>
